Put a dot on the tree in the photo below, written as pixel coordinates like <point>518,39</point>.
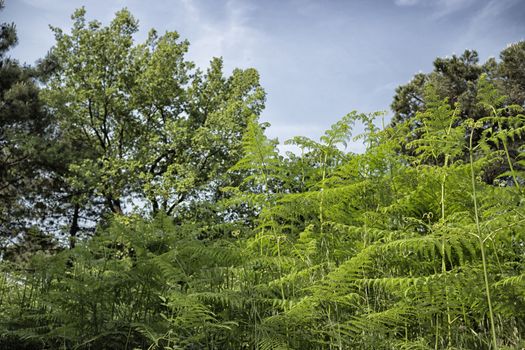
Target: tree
<point>459,80</point>
<point>146,128</point>
<point>453,78</point>
<point>511,71</point>
<point>25,134</point>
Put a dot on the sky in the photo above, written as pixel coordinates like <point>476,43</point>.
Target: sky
<point>318,59</point>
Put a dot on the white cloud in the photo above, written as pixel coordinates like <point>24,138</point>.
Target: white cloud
<point>492,10</point>
<point>442,7</point>
<point>488,21</point>
<point>407,2</point>
<point>229,36</point>
<point>446,7</point>
<point>47,5</point>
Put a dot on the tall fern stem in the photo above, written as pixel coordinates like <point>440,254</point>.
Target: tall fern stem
<point>481,243</point>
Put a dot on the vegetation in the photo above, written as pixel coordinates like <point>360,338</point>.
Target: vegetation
<point>143,207</point>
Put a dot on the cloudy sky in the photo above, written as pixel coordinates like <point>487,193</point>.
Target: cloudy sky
<point>318,59</point>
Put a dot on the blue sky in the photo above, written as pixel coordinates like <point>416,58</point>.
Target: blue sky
<point>318,59</point>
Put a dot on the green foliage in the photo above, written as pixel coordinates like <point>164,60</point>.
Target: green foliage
<point>470,88</point>
<point>405,246</point>
<point>147,126</point>
<point>26,148</point>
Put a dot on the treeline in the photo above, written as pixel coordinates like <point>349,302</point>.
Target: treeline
<point>143,207</point>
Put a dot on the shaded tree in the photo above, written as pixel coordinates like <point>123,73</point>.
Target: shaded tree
<point>25,135</point>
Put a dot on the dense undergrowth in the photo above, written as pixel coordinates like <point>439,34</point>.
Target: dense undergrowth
<point>369,251</point>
